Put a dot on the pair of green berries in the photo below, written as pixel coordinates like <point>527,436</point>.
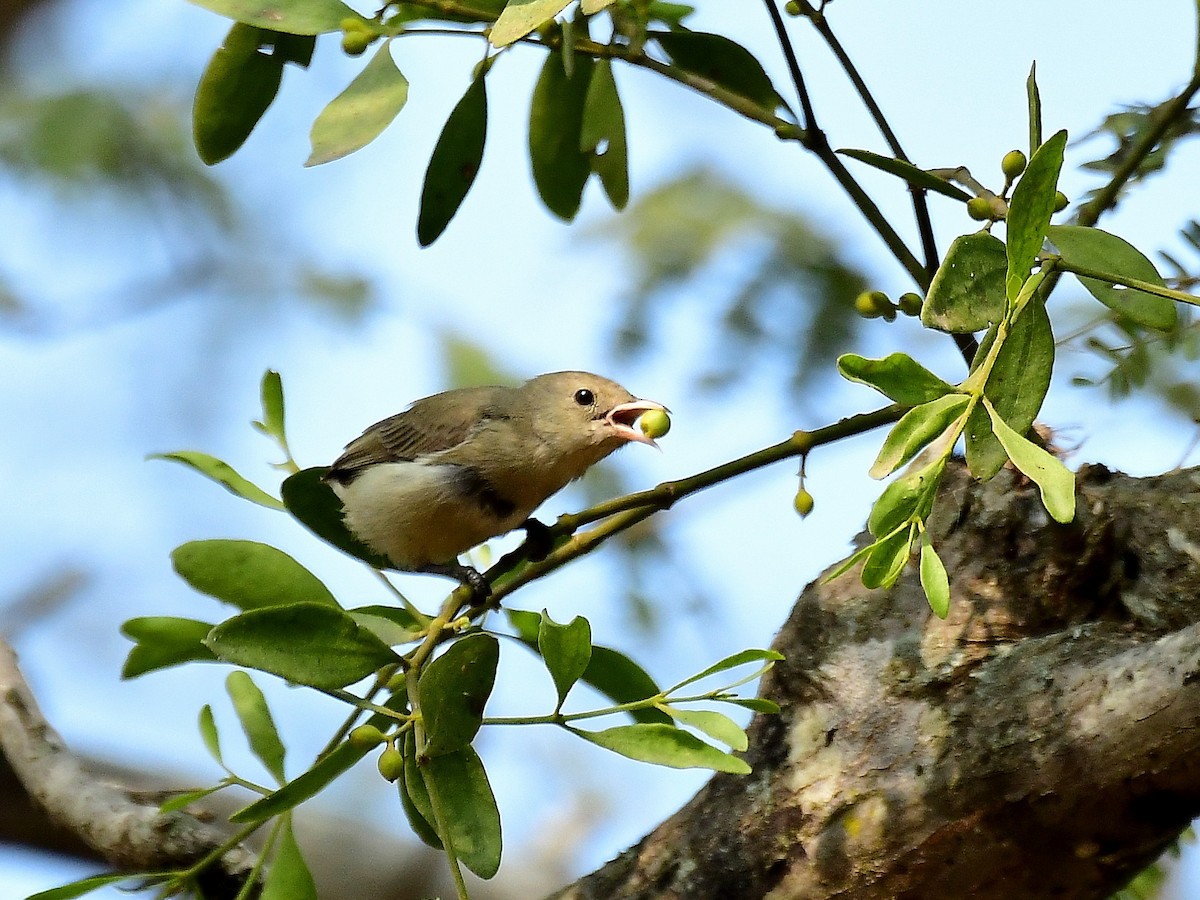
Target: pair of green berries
<point>989,209</point>
<point>878,305</point>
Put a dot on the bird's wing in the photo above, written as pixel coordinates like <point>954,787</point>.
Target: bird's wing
<point>431,425</point>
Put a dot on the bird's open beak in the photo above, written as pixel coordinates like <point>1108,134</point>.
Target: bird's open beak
<point>623,416</point>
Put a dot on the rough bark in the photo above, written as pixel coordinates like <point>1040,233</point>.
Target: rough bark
<point>1042,741</point>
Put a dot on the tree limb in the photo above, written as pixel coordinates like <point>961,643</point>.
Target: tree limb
<point>1042,741</point>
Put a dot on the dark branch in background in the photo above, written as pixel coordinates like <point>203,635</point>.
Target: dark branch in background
<point>124,829</point>
<point>1042,741</point>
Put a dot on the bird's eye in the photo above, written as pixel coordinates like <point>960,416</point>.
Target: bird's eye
<point>584,397</point>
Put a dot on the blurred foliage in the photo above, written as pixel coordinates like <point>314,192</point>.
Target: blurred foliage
<point>1148,883</point>
<point>170,228</point>
<point>766,283</point>
<point>1127,127</point>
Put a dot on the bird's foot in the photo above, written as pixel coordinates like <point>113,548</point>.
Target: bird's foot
<point>538,539</point>
<point>467,575</point>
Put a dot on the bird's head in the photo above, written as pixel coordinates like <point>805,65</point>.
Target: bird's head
<point>586,412</point>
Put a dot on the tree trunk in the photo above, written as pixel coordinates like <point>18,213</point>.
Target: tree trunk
<point>1042,741</point>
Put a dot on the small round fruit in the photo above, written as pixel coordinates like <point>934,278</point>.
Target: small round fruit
<point>803,502</point>
<point>910,303</point>
<point>1013,164</point>
<point>366,736</point>
<point>655,423</point>
<point>872,304</point>
<point>355,43</point>
<point>792,8</point>
<point>1060,201</point>
<point>979,209</point>
<point>391,764</point>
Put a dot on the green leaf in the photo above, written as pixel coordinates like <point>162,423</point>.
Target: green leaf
<point>934,580</point>
<point>237,87</point>
<point>390,624</point>
<point>1034,101</point>
<point>910,173</point>
<point>717,726</point>
<point>967,291</point>
<point>560,168</point>
<point>187,798</point>
<point>1016,387</point>
<point>603,134</point>
<point>1054,480</point>
<point>305,643</point>
<point>247,574</point>
<point>591,7</point>
<point>664,745</point>
<point>610,672</point>
<point>741,658</point>
<point>1030,209</point>
<point>454,164</point>
<point>520,17</point>
<point>1092,248</point>
<point>272,422</point>
<point>84,886</point>
<point>312,502</point>
<point>414,796</point>
<point>209,734</point>
<point>757,704</point>
<point>849,562</point>
<point>164,641</point>
<point>917,428</point>
<point>566,650</point>
<point>888,557</point>
<point>721,61</point>
<point>453,690</point>
<point>223,474</point>
<point>257,723</point>
<point>472,819</point>
<point>361,112</point>
<point>289,877</point>
<point>897,376</point>
<point>291,16</point>
<point>908,497</point>
<point>303,787</point>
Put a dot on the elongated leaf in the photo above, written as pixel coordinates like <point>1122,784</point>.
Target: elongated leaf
<point>305,643</point>
<point>361,112</point>
<point>453,691</point>
<point>722,61</point>
<point>209,733</point>
<point>237,87</point>
<point>663,745</point>
<point>610,672</point>
<point>741,658</point>
<point>603,134</point>
<point>289,877</point>
<point>934,580</point>
<point>308,17</point>
<point>186,799</point>
<point>303,787</point>
<point>223,474</point>
<point>717,726</point>
<point>391,624</point>
<point>164,641</point>
<point>967,291</point>
<point>312,502</point>
<point>888,557</point>
<point>521,17</point>
<point>848,563</point>
<point>272,422</point>
<point>910,173</point>
<point>1016,388</point>
<point>415,797</point>
<point>1092,248</point>
<point>909,496</point>
<point>1030,209</point>
<point>897,376</point>
<point>247,574</point>
<point>755,704</point>
<point>560,168</point>
<point>566,650</point>
<point>1054,480</point>
<point>454,164</point>
<point>1034,101</point>
<point>83,886</point>
<point>257,723</point>
<point>917,428</point>
<point>472,817</point>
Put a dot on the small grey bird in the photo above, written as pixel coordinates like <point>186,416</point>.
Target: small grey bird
<point>463,466</point>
